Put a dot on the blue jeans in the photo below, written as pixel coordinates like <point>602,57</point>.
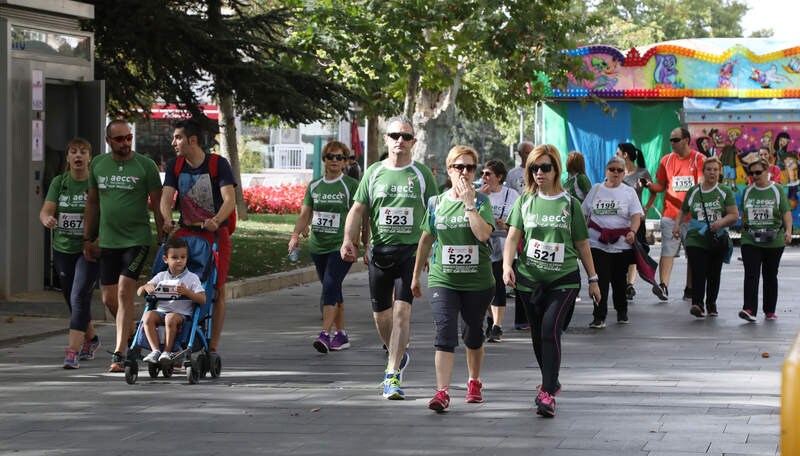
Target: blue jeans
<point>78,279</point>
<point>331,270</point>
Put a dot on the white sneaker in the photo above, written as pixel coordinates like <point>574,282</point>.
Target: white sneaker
<point>166,356</point>
<point>152,357</point>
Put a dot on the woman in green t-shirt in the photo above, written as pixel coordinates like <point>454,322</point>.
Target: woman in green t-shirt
<point>710,206</point>
<point>62,212</point>
<point>767,223</point>
<point>577,183</point>
<point>324,210</point>
<point>460,277</point>
<point>555,235</point>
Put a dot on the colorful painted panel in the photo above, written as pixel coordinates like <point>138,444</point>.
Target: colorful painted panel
<point>670,71</point>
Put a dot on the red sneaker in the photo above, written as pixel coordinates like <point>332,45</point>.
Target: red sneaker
<point>440,401</point>
<point>474,392</point>
<point>545,405</point>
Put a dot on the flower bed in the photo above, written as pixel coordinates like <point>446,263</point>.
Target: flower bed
<point>280,199</point>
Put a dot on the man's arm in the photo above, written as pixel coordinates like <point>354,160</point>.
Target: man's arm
<point>352,226</point>
<point>155,196</point>
<point>167,196</point>
<point>228,205</point>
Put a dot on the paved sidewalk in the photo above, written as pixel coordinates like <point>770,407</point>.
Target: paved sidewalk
<point>666,384</point>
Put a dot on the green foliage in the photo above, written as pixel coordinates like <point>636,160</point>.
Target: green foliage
<point>250,160</point>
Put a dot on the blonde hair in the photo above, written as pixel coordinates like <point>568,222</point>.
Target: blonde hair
<point>576,163</point>
<point>336,145</point>
<point>713,159</point>
<point>80,143</point>
<point>458,151</point>
<point>543,150</point>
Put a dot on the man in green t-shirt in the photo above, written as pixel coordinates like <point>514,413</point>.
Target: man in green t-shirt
<point>394,194</point>
<point>119,185</point>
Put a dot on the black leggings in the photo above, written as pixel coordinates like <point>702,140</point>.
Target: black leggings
<point>548,318</point>
<point>446,304</point>
<point>764,261</point>
<point>78,279</point>
<point>612,269</point>
<point>706,269</point>
<point>499,287</point>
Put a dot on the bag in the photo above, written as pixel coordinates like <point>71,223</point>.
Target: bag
<point>763,236</point>
<point>719,244</point>
<point>388,256</point>
<point>213,171</point>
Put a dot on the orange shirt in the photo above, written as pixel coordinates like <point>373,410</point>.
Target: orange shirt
<point>678,175</point>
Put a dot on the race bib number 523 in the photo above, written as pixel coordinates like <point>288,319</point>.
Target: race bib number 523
<point>396,216</point>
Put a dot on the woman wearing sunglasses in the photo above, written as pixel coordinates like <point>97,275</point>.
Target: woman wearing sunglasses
<point>325,207</point>
<point>547,276</point>
<point>711,207</point>
<point>767,223</point>
<point>614,214</point>
<point>457,225</point>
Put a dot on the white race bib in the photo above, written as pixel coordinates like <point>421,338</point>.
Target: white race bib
<point>326,222</point>
<point>396,217</point>
<point>71,224</point>
<point>759,215</point>
<point>550,252</point>
<point>682,183</point>
<point>607,207</point>
<point>456,255</point>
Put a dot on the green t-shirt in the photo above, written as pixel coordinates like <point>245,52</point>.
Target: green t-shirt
<point>330,201</point>
<point>70,198</point>
<point>460,261</point>
<point>123,188</point>
<point>578,186</point>
<point>551,225</point>
<point>715,200</point>
<point>397,199</point>
<point>763,208</point>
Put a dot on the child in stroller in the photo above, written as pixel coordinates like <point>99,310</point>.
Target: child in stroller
<point>177,289</point>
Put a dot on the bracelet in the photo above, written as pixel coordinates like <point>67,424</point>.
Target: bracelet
<point>295,235</point>
<point>86,239</point>
<point>593,279</point>
<point>469,209</point>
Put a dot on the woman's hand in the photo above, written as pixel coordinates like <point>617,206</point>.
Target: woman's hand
<point>49,222</point>
<point>594,291</point>
<point>676,231</point>
<point>716,226</point>
<point>630,238</point>
<point>509,278</point>
<point>485,189</point>
<point>416,288</point>
<point>293,242</point>
<point>465,190</point>
<point>500,224</point>
<point>787,237</point>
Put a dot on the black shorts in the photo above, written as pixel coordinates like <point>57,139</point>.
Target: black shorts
<point>391,269</point>
<point>126,262</point>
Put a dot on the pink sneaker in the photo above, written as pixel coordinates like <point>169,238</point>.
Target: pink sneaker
<point>771,316</point>
<point>474,392</point>
<point>440,401</point>
<point>746,315</point>
<point>545,405</point>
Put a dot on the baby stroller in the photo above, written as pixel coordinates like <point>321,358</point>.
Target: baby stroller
<point>191,343</point>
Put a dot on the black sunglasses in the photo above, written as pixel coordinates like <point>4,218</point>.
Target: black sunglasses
<point>757,172</point>
<point>486,173</point>
<point>545,167</point>
<point>461,167</point>
<point>338,157</point>
<point>122,138</point>
<point>398,135</point>
<point>615,170</point>
<point>674,140</point>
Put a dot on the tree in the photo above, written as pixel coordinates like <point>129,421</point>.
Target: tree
<point>436,56</point>
<point>185,50</point>
<point>630,23</point>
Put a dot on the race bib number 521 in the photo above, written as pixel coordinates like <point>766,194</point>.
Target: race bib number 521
<point>550,252</point>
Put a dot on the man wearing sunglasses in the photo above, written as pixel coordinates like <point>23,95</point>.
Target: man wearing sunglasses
<point>116,210</point>
<point>677,172</point>
<point>206,199</point>
<point>394,194</point>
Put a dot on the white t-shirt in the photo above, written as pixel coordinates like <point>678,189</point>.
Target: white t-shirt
<point>501,202</point>
<point>611,208</point>
<point>189,280</point>
<point>516,179</point>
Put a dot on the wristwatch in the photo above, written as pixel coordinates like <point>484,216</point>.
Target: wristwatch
<point>469,209</point>
<point>593,279</point>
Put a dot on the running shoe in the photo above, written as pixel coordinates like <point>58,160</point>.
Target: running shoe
<point>597,324</point>
<point>630,292</point>
<point>340,341</point>
<point>71,359</point>
<point>539,390</point>
<point>391,387</point>
<point>89,348</point>
<point>712,310</point>
<point>323,342</point>
<point>440,401</point>
<point>687,294</point>
<point>403,364</point>
<point>489,325</point>
<point>770,316</point>
<point>622,318</point>
<point>496,334</point>
<point>166,357</point>
<point>153,357</point>
<point>697,311</point>
<point>661,291</point>
<point>474,395</point>
<point>545,405</point>
<point>746,315</point>
<point>117,363</point>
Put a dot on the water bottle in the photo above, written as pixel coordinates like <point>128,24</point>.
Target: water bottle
<point>294,255</point>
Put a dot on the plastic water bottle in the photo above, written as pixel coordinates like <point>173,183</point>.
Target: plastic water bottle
<point>294,255</point>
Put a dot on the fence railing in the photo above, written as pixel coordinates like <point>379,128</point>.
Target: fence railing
<point>286,156</point>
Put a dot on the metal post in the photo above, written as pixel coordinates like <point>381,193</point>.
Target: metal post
<point>317,166</point>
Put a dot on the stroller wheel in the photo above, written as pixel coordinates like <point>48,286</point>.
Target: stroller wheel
<point>192,374</point>
<point>153,370</point>
<point>215,362</point>
<point>131,373</point>
<point>167,373</point>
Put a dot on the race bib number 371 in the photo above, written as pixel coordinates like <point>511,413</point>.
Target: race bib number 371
<point>325,222</point>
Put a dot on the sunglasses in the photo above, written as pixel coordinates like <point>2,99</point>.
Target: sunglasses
<point>675,140</point>
<point>486,173</point>
<point>405,136</point>
<point>123,138</point>
<point>545,167</point>
<point>461,167</point>
<point>338,157</point>
<point>757,172</point>
<point>615,170</point>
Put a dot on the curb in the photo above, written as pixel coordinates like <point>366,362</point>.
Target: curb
<point>263,284</point>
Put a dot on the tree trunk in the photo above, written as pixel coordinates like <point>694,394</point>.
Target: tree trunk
<point>412,84</point>
<point>229,147</point>
<point>373,140</point>
<point>434,117</point>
